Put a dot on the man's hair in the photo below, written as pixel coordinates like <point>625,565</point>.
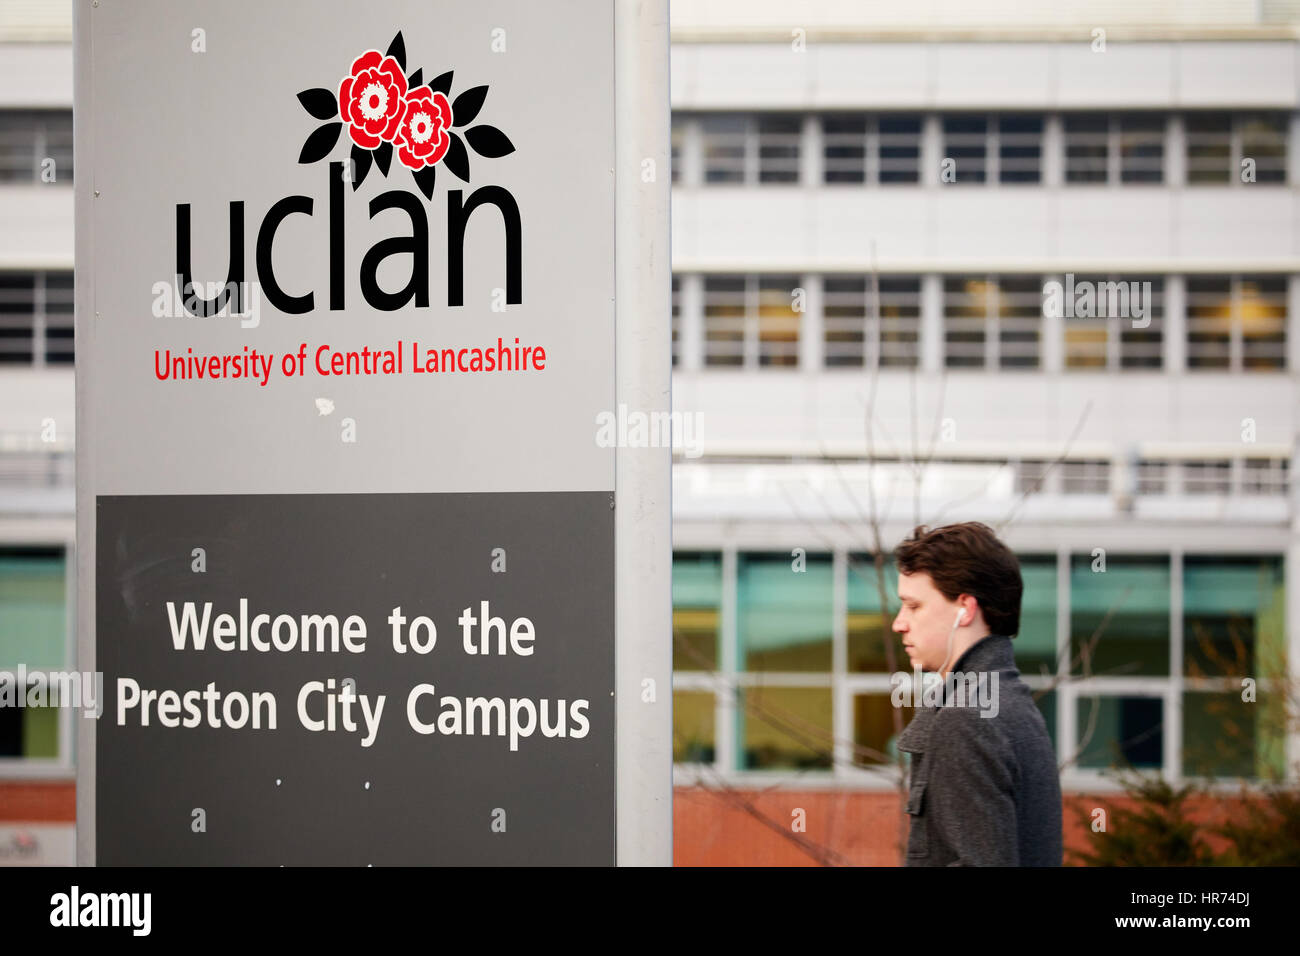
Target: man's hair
<point>968,558</point>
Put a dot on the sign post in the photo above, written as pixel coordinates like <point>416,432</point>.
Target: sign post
<point>353,295</point>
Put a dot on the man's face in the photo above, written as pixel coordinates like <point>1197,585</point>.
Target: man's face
<point>924,620</point>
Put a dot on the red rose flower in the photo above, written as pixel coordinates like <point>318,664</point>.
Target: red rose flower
<point>370,100</point>
<point>422,138</point>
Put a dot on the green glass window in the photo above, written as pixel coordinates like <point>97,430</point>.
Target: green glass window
<point>1234,622</point>
<point>33,632</point>
<point>784,613</point>
<point>697,603</point>
<point>870,625</point>
<point>1035,645</point>
<point>1225,736</point>
<point>1120,732</point>
<point>1127,606</point>
<point>784,728</point>
<point>875,738</point>
<point>693,726</point>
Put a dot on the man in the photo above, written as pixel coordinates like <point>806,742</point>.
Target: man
<point>984,787</point>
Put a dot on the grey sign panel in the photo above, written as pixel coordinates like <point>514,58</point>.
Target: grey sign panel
<point>402,217</point>
<point>502,758</point>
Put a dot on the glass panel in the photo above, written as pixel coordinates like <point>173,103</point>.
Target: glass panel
<point>677,319</point>
<point>1263,322</point>
<point>1120,732</point>
<point>778,148</point>
<point>1020,144</point>
<point>965,140</point>
<point>1086,148</point>
<point>1234,613</point>
<point>1209,148</point>
<point>1264,139</point>
<point>900,322</point>
<point>965,319</point>
<point>1142,149</point>
<point>1020,320</point>
<point>784,615</point>
<point>693,727</point>
<point>844,149</point>
<point>785,728</point>
<point>1209,322</point>
<point>868,628</point>
<point>33,625</point>
<point>697,604</point>
<point>1127,604</point>
<point>17,317</point>
<point>1224,736</point>
<point>1035,645</point>
<point>724,137</point>
<point>778,322</point>
<point>844,310</point>
<point>1141,339</point>
<point>724,320</point>
<point>900,149</point>
<point>875,735</point>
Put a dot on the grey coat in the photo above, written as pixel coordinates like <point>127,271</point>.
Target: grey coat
<point>984,790</point>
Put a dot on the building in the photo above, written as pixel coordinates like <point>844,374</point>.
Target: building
<point>871,207</point>
<point>871,203</point>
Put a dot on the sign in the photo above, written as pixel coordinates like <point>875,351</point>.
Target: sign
<point>346,322</point>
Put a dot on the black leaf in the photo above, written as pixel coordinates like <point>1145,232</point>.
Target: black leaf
<point>457,159</point>
<point>382,155</point>
<point>397,50</point>
<point>360,165</point>
<point>442,84</point>
<point>424,179</point>
<point>489,141</point>
<point>320,143</point>
<point>319,103</point>
<point>415,79</point>
<point>467,105</point>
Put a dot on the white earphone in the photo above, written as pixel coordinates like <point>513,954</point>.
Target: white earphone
<point>951,633</point>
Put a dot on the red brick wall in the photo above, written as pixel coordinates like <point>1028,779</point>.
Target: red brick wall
<point>724,828</point>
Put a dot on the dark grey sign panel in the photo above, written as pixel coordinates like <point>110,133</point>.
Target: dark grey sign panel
<point>383,793</point>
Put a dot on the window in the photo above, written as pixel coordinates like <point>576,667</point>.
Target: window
<point>677,319</point>
<point>992,321</point>
<point>751,320</point>
<point>28,138</point>
<point>784,613</point>
<point>36,319</point>
<point>859,149</point>
<point>1085,477</point>
<point>33,633</point>
<point>1142,149</point>
<point>853,338</point>
<point>1218,144</point>
<point>1036,643</point>
<point>1124,148</point>
<point>1152,477</point>
<point>739,148</point>
<point>1233,617</point>
<point>1236,323</point>
<point>1207,477</point>
<point>1119,731</point>
<point>676,138</point>
<point>1087,148</point>
<point>697,604</point>
<point>1119,615</point>
<point>869,620</point>
<point>784,625</point>
<point>1020,146</point>
<point>1264,476</point>
<point>1116,322</point>
<point>965,142</point>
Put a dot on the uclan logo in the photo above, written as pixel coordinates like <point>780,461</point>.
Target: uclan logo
<point>384,111</point>
<point>416,245</point>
